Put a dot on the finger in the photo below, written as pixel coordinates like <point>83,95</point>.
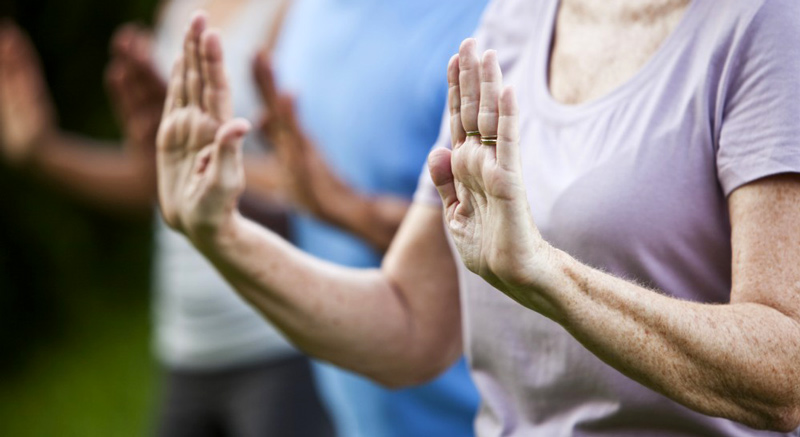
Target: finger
<point>227,164</point>
<point>175,89</point>
<point>149,81</point>
<point>265,79</point>
<point>23,75</point>
<point>141,46</point>
<point>508,131</point>
<point>122,38</point>
<point>491,86</point>
<point>21,55</point>
<point>136,89</point>
<point>268,125</point>
<point>191,55</point>
<point>290,143</point>
<point>288,117</point>
<point>143,68</point>
<point>469,84</point>
<point>115,82</point>
<point>442,176</point>
<point>216,94</point>
<point>457,134</point>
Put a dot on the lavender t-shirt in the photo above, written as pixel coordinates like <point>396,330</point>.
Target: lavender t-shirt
<point>634,183</point>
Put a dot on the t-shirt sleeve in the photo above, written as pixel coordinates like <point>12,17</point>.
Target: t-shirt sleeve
<point>760,128</point>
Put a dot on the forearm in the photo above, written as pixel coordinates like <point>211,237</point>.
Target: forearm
<point>105,177</point>
<point>356,319</point>
<point>737,361</point>
<point>374,219</point>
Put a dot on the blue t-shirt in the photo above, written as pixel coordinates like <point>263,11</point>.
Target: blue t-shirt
<point>369,78</point>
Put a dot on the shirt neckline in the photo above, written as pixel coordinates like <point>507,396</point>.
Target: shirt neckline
<point>554,109</point>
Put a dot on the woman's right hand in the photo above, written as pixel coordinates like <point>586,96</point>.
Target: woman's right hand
<point>199,157</point>
<point>27,117</point>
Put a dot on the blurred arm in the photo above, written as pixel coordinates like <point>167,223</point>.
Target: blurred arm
<point>30,139</point>
<point>311,183</point>
<point>102,175</point>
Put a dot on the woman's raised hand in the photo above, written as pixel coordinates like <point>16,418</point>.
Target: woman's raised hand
<point>480,180</point>
<point>308,180</point>
<point>199,157</point>
<point>27,116</point>
<point>136,89</point>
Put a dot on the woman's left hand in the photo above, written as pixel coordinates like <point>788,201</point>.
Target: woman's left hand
<point>480,180</point>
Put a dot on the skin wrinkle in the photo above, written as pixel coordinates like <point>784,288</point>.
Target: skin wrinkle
<point>737,394</point>
<point>728,368</point>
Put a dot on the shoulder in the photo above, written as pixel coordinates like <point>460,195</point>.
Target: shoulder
<point>774,19</point>
<point>766,37</point>
<point>778,12</point>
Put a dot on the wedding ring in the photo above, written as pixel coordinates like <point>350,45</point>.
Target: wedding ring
<point>489,140</point>
<point>473,133</point>
<point>179,102</point>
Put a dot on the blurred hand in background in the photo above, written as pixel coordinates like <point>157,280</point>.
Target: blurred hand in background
<point>137,91</point>
<point>27,117</point>
<point>310,182</point>
<point>118,180</point>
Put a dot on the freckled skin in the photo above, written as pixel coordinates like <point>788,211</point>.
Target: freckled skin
<point>598,46</point>
<point>401,324</point>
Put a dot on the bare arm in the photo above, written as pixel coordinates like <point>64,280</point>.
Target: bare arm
<point>399,325</point>
<point>738,361</point>
<point>104,176</point>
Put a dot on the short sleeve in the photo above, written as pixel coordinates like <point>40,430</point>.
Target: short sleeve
<point>760,129</point>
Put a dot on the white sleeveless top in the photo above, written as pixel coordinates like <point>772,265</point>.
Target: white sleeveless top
<point>200,322</point>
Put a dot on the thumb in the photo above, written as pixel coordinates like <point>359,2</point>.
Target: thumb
<point>227,162</point>
<point>442,175</point>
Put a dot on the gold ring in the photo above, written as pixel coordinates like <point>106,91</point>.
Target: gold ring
<point>179,102</point>
<point>473,133</point>
<point>489,140</point>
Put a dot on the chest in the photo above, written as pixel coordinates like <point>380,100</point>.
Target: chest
<point>595,48</point>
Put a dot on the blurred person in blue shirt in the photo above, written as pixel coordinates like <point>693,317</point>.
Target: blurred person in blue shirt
<point>360,92</point>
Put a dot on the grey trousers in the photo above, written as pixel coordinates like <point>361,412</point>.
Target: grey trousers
<point>275,398</point>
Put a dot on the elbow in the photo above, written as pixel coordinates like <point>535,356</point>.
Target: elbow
<point>783,419</point>
<point>417,368</point>
<point>413,374</point>
<point>778,416</point>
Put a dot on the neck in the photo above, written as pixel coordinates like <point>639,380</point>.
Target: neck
<point>622,12</point>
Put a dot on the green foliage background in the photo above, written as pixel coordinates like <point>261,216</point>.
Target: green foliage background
<point>74,282</point>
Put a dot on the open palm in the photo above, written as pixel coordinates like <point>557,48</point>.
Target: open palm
<point>27,116</point>
<point>480,180</point>
<point>200,171</point>
<point>137,91</point>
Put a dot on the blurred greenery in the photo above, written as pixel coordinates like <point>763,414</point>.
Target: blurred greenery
<point>74,283</point>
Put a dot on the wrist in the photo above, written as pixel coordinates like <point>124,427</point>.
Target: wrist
<point>543,284</point>
<point>36,152</point>
<point>348,211</point>
<point>222,234</point>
